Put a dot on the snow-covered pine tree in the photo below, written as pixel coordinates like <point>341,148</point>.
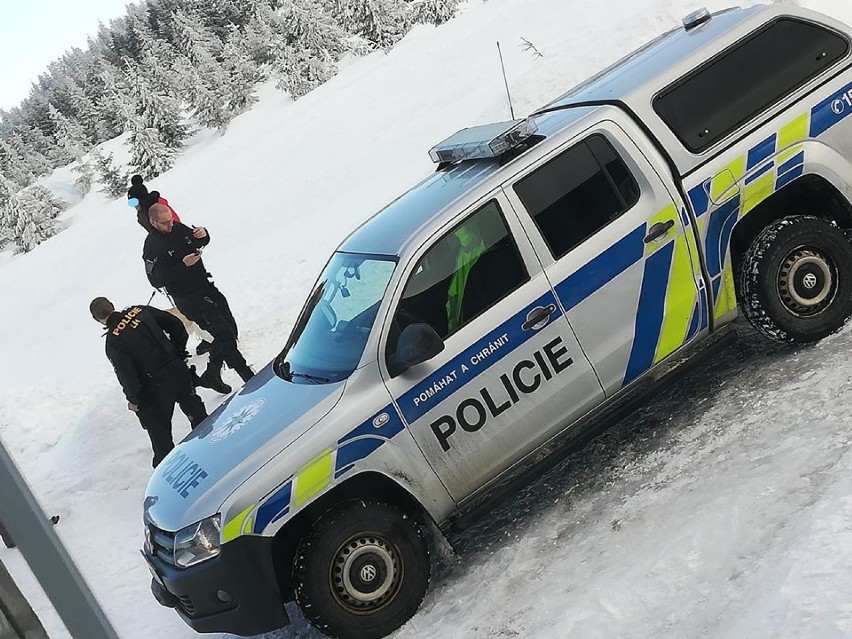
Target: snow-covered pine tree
<point>299,72</point>
<point>34,210</point>
<point>153,110</point>
<point>113,180</point>
<point>107,89</point>
<point>433,11</point>
<point>149,155</point>
<point>208,94</point>
<point>69,135</point>
<point>28,142</point>
<point>12,165</point>
<point>382,22</point>
<point>263,36</point>
<point>84,109</point>
<point>84,169</point>
<point>314,44</point>
<point>242,73</point>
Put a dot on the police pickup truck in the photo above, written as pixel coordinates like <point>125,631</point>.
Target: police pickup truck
<point>546,269</point>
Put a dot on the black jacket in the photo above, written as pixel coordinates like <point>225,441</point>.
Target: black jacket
<point>163,255</point>
<point>141,342</point>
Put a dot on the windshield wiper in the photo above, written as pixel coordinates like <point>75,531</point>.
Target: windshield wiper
<point>311,378</point>
<point>288,374</point>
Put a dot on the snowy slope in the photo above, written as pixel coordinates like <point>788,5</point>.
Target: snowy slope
<point>722,510</point>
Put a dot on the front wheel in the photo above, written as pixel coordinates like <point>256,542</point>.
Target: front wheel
<point>362,570</point>
<point>795,284</point>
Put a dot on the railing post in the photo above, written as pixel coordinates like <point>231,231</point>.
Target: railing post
<point>47,557</point>
<point>17,619</point>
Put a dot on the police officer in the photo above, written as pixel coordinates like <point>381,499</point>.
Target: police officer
<point>147,348</point>
<point>172,257</point>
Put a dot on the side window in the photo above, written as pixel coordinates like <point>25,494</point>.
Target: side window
<point>578,193</point>
<point>466,272</point>
<point>746,80</point>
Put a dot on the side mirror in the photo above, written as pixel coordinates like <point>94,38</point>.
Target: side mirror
<point>417,343</point>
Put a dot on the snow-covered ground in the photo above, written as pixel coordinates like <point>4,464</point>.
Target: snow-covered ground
<point>723,509</point>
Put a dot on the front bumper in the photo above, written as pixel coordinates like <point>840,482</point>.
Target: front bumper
<point>236,592</point>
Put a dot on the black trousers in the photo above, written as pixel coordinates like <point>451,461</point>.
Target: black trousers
<point>173,385</point>
<point>209,309</point>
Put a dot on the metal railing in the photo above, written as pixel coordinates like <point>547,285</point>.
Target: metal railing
<point>48,559</point>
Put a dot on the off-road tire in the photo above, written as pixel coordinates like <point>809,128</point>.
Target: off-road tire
<point>362,537</point>
<point>795,280</point>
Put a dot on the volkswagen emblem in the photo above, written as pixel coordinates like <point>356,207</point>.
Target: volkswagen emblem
<point>809,280</point>
<point>368,573</point>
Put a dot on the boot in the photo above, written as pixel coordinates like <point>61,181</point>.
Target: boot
<point>203,347</point>
<point>246,373</point>
<point>212,378</point>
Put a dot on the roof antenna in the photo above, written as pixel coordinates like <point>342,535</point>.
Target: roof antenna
<point>505,81</point>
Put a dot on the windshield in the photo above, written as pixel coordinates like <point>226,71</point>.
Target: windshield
<point>327,342</point>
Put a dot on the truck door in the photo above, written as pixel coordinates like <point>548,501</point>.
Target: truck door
<point>618,251</point>
<point>511,371</point>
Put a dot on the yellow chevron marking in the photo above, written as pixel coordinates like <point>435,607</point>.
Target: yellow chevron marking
<point>680,302</point>
<point>314,476</point>
<point>757,191</point>
<point>727,300</point>
<point>234,528</point>
<point>790,134</point>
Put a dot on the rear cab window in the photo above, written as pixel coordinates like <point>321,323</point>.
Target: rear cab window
<point>747,79</point>
<point>576,194</point>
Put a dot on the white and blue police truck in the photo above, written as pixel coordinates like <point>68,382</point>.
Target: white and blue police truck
<point>550,268</point>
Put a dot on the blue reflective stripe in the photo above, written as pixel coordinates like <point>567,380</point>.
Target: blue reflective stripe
<point>649,317</point>
<point>389,424</point>
<point>797,159</point>
<point>715,245</point>
<point>830,111</point>
<point>510,334</point>
<point>355,451</point>
<point>694,322</point>
<point>789,176</point>
<point>274,508</point>
<point>761,151</point>
<point>602,269</point>
<point>700,200</point>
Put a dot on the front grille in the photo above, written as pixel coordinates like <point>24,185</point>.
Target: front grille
<point>163,544</point>
<point>186,605</point>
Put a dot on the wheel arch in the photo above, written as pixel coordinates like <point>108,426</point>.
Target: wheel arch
<point>365,485</point>
<point>810,194</point>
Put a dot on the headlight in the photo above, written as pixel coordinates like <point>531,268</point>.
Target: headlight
<point>198,542</point>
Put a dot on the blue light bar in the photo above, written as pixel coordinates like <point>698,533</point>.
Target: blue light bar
<point>481,142</point>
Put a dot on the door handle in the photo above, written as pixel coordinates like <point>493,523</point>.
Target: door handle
<point>658,230</point>
<point>538,317</point>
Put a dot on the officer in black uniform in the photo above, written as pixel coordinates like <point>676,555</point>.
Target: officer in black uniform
<point>172,257</point>
<point>147,348</point>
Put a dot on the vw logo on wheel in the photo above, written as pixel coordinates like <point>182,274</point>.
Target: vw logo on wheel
<point>368,573</point>
<point>809,281</point>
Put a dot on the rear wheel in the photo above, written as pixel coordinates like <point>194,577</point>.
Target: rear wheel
<point>795,283</point>
<point>362,570</point>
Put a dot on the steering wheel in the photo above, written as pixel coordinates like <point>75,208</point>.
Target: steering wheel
<point>327,313</point>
